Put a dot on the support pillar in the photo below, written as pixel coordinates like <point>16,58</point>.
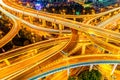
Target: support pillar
<point>91,67</point>
<point>31,19</point>
<point>74,19</point>
<point>68,72</point>
<point>7,62</point>
<point>107,40</point>
<point>115,13</point>
<point>83,49</point>
<point>55,26</point>
<point>20,15</point>
<point>115,65</point>
<point>60,28</point>
<point>35,51</point>
<point>40,20</point>
<point>44,23</point>
<point>109,14</point>
<point>103,51</point>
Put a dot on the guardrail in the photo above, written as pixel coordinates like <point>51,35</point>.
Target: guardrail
<point>88,28</point>
<point>32,47</point>
<point>74,17</point>
<point>107,22</point>
<point>98,19</point>
<point>72,24</point>
<point>32,59</point>
<point>69,62</point>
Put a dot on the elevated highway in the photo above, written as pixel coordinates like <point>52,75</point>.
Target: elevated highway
<point>80,26</point>
<point>52,53</point>
<point>113,19</point>
<point>106,46</point>
<point>33,68</point>
<point>13,55</point>
<point>32,56</point>
<point>101,18</point>
<point>19,51</point>
<point>73,24</point>
<point>70,62</point>
<point>36,27</point>
<point>19,73</point>
<point>105,30</point>
<point>13,31</point>
<point>74,17</point>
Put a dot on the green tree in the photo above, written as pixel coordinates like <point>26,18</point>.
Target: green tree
<point>71,78</point>
<point>90,75</point>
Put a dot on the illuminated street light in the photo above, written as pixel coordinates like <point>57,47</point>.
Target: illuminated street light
<point>53,10</point>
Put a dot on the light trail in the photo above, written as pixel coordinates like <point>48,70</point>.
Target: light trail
<point>77,26</point>
<point>79,61</point>
<point>14,30</point>
<point>73,24</point>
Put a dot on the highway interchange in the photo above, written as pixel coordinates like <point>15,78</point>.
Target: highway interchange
<point>91,31</point>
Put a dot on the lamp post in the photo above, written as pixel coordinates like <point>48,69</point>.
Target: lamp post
<point>73,11</point>
<point>53,10</point>
<point>66,56</point>
<point>64,11</point>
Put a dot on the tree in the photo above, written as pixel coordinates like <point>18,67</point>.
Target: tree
<point>8,46</point>
<point>90,75</point>
<point>71,78</point>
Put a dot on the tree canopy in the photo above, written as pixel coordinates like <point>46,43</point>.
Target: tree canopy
<point>90,75</point>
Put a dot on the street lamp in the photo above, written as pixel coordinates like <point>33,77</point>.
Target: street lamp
<point>53,10</point>
<point>73,11</point>
<point>64,11</point>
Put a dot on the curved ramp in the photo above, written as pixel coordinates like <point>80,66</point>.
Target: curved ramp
<point>14,30</point>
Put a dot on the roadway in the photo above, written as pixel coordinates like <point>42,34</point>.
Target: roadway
<point>36,12</point>
<point>72,24</point>
<point>109,47</point>
<point>109,21</point>
<point>36,27</point>
<point>109,13</point>
<point>8,2</point>
<point>91,16</point>
<point>13,54</point>
<point>37,46</point>
<point>40,56</point>
<point>68,62</point>
<point>28,72</point>
<point>45,55</point>
<point>114,50</point>
<point>54,51</point>
<point>13,31</point>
